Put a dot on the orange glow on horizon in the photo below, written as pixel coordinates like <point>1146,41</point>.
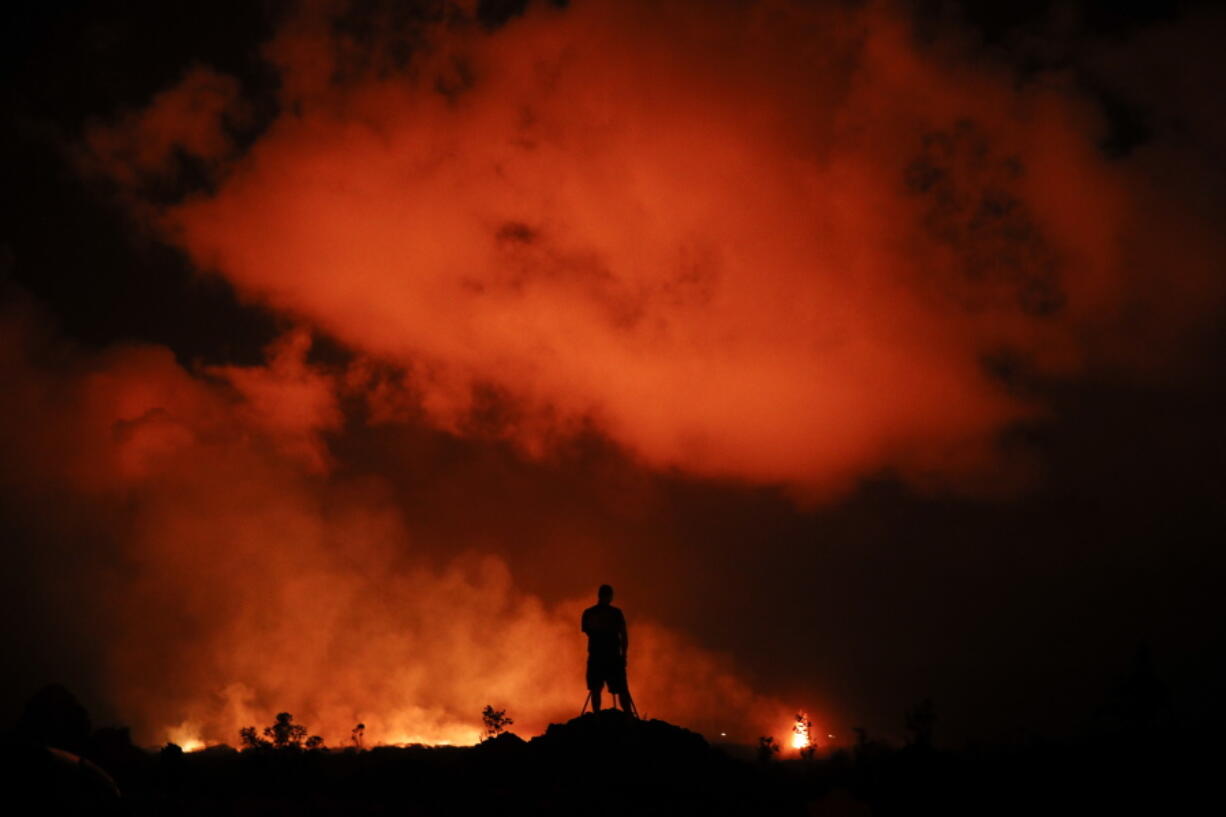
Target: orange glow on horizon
<point>458,736</point>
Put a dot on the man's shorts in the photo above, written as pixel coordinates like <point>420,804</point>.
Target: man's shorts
<point>607,670</point>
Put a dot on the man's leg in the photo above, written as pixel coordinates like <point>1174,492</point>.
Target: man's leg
<point>596,699</point>
<point>619,687</point>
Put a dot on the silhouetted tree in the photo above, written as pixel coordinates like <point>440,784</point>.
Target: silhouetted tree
<point>804,727</point>
<point>285,734</point>
<point>250,739</point>
<point>767,749</point>
<point>314,742</point>
<point>495,720</point>
<point>358,735</point>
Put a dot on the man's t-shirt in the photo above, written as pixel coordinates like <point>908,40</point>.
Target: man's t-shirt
<point>604,625</point>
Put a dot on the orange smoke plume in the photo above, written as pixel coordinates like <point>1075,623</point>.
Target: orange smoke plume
<point>768,241</point>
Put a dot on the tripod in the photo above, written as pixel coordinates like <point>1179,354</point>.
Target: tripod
<point>633,711</point>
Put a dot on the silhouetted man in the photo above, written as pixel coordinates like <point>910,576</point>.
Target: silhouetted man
<point>607,642</point>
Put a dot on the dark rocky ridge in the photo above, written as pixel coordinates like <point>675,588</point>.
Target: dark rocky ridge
<point>597,764</point>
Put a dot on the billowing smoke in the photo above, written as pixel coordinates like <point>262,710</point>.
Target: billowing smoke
<point>785,244</point>
<point>248,580</point>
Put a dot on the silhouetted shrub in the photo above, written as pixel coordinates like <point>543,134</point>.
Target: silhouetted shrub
<point>767,749</point>
<point>358,735</point>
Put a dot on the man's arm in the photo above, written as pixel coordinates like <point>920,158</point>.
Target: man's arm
<point>622,634</point>
<point>583,622</point>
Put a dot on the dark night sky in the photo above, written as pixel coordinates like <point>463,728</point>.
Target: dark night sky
<point>1017,610</point>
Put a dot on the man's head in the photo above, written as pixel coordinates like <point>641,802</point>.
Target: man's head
<point>605,594</point>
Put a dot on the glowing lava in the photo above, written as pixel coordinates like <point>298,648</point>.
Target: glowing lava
<point>187,736</point>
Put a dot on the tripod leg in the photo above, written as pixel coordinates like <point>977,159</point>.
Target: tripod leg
<point>628,703</point>
<point>585,703</point>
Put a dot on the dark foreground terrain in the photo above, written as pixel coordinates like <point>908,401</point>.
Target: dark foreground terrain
<point>607,764</point>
